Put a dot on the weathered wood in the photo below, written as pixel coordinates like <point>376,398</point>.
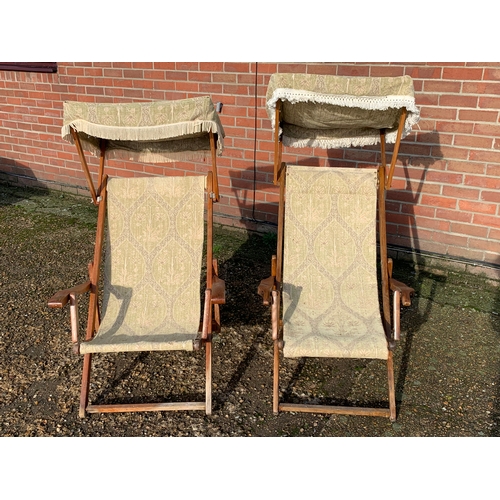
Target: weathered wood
<point>208,375</point>
<point>84,392</point>
<point>392,390</point>
<point>210,212</point>
<point>276,377</point>
<point>207,314</point>
<point>386,316</point>
<point>60,299</point>
<point>395,151</point>
<point>102,143</point>
<point>281,224</point>
<point>83,161</point>
<point>278,146</point>
<point>342,410</point>
<point>218,290</point>
<point>214,167</point>
<point>115,408</point>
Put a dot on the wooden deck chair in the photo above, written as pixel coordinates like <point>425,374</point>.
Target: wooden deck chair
<point>154,232</point>
<point>324,287</point>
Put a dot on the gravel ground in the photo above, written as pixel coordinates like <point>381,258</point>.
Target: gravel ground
<point>446,366</point>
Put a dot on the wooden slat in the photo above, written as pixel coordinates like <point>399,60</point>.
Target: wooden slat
<point>341,410</point>
<point>145,407</point>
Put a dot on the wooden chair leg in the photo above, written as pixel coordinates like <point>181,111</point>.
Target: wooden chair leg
<point>208,388</point>
<point>84,395</point>
<point>392,391</point>
<point>276,377</point>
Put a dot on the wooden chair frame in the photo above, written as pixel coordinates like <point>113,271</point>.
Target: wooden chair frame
<point>270,288</point>
<point>214,294</point>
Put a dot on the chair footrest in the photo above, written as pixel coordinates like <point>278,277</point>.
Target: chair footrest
<point>343,410</point>
<point>144,407</point>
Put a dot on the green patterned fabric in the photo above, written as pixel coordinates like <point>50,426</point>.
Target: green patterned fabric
<point>154,132</point>
<point>152,272</point>
<point>330,295</point>
<point>338,112</point>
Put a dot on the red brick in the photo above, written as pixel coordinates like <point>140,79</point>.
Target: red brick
<point>441,113</point>
<point>462,73</point>
<point>489,102</point>
<point>187,66</point>
<point>321,69</point>
<point>486,245</point>
<point>353,70</point>
<point>213,88</point>
<point>224,77</point>
<point>142,65</point>
<point>235,67</point>
<point>481,88</point>
<point>441,86</point>
<point>454,153</point>
<point>461,192</point>
<point>468,229</point>
<point>164,65</point>
<point>425,100</point>
<point>490,196</point>
<point>458,101</point>
<point>215,67</point>
<point>485,156</point>
<point>176,75</point>
<point>486,220</point>
<point>466,166</point>
<point>487,129</point>
<point>473,141</point>
<point>493,170</point>
<point>291,68</point>
<point>199,76</point>
<point>492,73</point>
<point>435,224</point>
<point>443,177</point>
<point>477,207</point>
<point>186,86</point>
<point>481,181</point>
<point>425,72</point>
<point>475,115</point>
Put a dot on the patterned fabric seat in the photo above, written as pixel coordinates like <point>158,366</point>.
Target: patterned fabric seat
<point>152,276</point>
<point>330,296</point>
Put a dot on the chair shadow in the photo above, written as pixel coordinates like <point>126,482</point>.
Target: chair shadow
<point>244,318</point>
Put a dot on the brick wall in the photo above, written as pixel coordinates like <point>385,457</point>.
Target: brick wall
<point>446,191</point>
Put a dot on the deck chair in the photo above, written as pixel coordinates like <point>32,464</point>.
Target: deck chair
<point>324,289</point>
<point>154,233</point>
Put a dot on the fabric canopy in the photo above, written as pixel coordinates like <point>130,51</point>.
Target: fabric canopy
<point>154,132</point>
<point>335,112</point>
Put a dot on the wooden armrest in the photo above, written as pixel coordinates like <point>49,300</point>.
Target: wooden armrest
<point>406,291</point>
<point>265,288</point>
<point>60,299</point>
<point>218,291</point>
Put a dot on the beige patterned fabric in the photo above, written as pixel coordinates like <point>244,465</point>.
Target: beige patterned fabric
<point>152,272</point>
<point>330,297</point>
<point>154,132</point>
<point>338,112</point>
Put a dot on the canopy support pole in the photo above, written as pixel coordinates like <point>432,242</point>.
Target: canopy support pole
<point>395,152</point>
<point>85,167</point>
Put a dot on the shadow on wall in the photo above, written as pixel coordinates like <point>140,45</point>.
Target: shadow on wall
<point>17,175</point>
